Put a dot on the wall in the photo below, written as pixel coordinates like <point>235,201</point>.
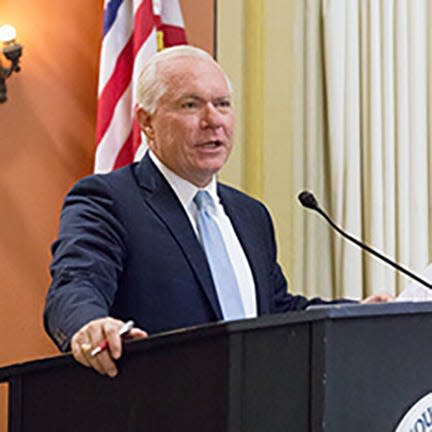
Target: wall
<point>47,131</point>
<point>274,112</point>
<point>46,143</point>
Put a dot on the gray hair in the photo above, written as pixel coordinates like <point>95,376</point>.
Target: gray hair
<point>151,88</point>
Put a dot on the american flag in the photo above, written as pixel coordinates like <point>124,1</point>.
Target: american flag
<point>133,30</point>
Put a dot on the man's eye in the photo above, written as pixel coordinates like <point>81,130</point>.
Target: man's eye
<point>224,104</point>
<point>189,105</point>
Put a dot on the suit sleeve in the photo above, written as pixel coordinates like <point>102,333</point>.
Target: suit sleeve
<point>87,261</point>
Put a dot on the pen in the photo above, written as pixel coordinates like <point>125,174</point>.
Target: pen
<point>104,344</point>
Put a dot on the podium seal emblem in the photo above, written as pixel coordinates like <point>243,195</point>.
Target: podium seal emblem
<point>419,417</point>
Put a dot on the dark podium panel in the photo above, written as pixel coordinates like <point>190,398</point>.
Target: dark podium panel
<point>345,368</point>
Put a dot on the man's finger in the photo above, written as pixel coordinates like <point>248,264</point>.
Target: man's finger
<point>378,298</point>
<point>113,338</point>
<point>136,333</point>
<point>102,362</point>
<point>78,350</point>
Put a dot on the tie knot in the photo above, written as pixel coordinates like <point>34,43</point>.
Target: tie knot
<point>203,200</point>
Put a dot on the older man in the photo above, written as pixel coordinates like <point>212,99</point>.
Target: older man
<point>160,241</point>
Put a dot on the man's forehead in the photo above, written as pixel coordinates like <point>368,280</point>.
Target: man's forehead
<point>183,68</point>
<point>186,60</point>
<point>186,77</point>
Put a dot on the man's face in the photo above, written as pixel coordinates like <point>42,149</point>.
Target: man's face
<point>191,130</point>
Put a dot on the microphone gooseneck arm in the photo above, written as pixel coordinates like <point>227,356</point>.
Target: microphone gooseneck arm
<point>308,200</point>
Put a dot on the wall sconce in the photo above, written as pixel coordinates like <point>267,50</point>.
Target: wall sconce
<point>12,51</point>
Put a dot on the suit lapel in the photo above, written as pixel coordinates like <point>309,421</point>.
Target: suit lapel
<point>163,201</point>
<point>245,227</point>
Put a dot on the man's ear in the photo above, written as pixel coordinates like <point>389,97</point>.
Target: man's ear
<point>145,120</point>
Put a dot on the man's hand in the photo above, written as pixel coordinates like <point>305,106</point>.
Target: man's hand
<point>92,334</point>
<point>378,298</point>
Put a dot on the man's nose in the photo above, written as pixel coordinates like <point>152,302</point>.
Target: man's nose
<point>211,117</point>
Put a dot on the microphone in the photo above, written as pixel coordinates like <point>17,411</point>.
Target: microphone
<point>308,200</point>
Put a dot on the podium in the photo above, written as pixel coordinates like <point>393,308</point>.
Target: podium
<point>345,368</point>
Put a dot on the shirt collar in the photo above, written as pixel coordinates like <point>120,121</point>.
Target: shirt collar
<point>184,190</point>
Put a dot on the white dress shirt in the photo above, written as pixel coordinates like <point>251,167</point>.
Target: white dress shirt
<point>185,192</point>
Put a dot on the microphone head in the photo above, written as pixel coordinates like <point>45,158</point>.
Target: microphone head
<point>308,200</point>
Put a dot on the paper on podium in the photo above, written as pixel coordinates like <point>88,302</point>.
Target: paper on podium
<point>415,291</point>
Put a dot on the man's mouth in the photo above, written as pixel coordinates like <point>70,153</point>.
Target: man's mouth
<point>211,144</point>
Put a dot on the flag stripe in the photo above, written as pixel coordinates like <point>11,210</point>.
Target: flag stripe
<point>171,13</point>
<point>122,73</point>
<point>114,42</point>
<point>129,39</point>
<point>114,89</point>
<point>116,134</point>
<point>125,154</point>
<point>148,48</point>
<point>118,130</point>
<point>172,35</point>
<point>143,23</point>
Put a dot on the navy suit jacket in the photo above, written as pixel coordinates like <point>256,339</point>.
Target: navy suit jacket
<point>126,248</point>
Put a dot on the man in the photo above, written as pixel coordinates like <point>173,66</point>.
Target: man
<point>139,243</point>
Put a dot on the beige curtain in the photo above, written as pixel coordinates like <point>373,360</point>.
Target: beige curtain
<point>346,114</point>
<point>366,147</point>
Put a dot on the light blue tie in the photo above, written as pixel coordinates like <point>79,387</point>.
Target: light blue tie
<point>218,259</point>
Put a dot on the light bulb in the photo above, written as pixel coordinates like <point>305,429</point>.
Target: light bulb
<point>7,34</point>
